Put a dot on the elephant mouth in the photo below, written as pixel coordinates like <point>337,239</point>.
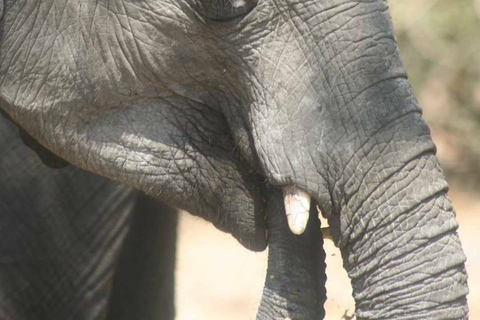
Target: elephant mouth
<point>296,209</point>
<point>249,222</point>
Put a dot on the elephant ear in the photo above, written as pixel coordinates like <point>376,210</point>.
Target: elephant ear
<point>46,156</point>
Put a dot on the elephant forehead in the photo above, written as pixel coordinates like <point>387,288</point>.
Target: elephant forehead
<point>138,47</point>
<point>94,50</point>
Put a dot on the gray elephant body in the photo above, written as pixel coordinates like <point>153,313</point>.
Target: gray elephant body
<point>75,245</point>
<point>208,105</point>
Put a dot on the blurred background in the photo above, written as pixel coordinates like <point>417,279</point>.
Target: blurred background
<point>440,45</point>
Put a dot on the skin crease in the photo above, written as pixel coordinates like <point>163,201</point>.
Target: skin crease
<point>201,114</point>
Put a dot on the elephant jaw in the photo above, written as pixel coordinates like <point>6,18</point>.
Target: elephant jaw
<point>297,206</point>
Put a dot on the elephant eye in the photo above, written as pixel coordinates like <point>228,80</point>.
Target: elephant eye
<point>227,10</point>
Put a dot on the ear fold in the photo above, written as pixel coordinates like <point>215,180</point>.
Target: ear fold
<point>46,156</point>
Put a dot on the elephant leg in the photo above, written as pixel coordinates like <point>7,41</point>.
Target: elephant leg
<point>143,286</point>
<point>60,234</point>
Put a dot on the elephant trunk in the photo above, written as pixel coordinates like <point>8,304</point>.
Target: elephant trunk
<point>400,245</point>
<point>295,283</point>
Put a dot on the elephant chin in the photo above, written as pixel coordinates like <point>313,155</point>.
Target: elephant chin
<point>243,215</point>
<point>253,236</point>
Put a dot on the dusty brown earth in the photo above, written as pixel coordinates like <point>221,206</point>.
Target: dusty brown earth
<point>217,279</point>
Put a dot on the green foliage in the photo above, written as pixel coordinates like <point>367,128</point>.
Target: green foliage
<point>440,45</point>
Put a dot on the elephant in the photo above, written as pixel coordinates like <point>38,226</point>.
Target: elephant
<point>68,233</point>
<point>241,112</point>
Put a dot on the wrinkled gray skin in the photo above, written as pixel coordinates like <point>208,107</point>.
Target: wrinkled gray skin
<point>200,104</point>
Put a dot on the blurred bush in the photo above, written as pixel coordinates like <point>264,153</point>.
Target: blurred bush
<point>440,45</point>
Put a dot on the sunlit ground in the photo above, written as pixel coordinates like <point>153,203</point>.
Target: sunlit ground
<point>219,279</point>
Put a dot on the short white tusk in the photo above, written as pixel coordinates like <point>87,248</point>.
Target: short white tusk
<point>297,208</point>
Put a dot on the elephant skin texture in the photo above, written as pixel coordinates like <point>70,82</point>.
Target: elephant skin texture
<point>75,245</point>
<point>214,106</point>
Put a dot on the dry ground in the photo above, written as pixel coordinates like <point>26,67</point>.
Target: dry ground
<point>217,279</point>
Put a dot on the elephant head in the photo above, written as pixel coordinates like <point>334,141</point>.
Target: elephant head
<point>206,105</point>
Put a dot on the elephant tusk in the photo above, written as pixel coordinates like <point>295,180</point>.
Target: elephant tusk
<point>297,207</point>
